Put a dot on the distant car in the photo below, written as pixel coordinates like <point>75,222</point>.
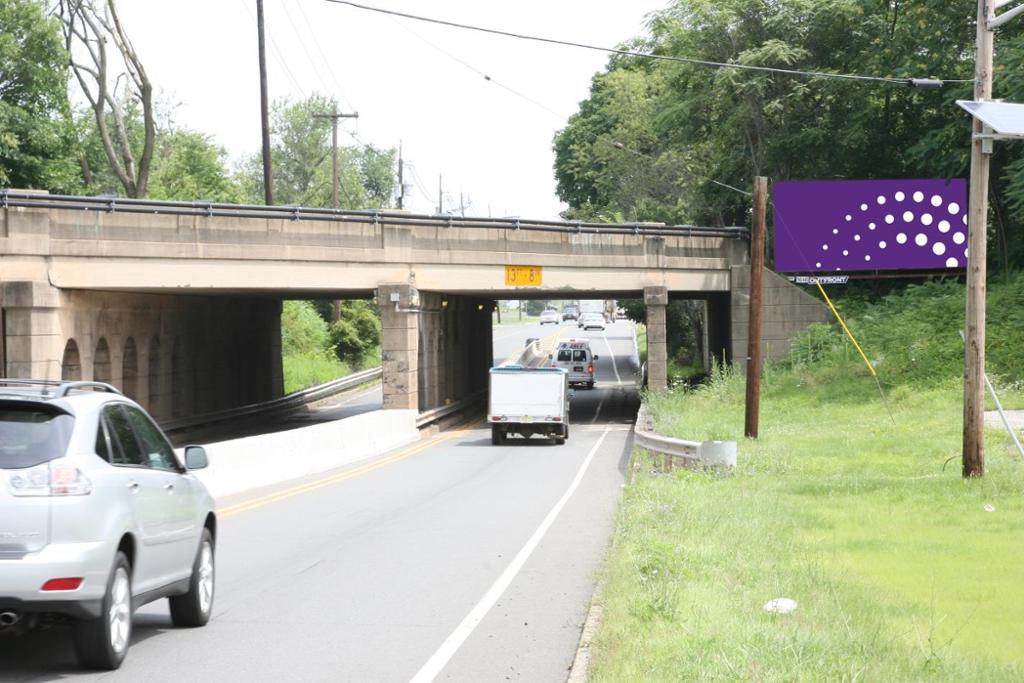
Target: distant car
<point>570,312</point>
<point>592,321</point>
<point>549,315</point>
<point>97,517</point>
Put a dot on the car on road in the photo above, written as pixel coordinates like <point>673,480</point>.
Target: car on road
<point>570,312</point>
<point>576,358</point>
<point>97,517</point>
<point>549,315</point>
<point>592,321</point>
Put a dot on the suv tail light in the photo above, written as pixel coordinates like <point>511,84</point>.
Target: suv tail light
<point>58,477</point>
<point>590,369</point>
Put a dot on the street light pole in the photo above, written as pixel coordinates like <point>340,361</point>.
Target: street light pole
<point>973,457</point>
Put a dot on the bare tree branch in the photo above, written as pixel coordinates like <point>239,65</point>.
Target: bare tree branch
<point>90,25</point>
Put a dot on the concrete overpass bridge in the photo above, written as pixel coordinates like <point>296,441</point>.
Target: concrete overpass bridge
<point>179,303</point>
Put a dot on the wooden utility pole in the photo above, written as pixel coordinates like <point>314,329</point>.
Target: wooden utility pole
<point>401,178</point>
<point>268,174</point>
<point>756,304</point>
<point>977,226</point>
<point>334,116</point>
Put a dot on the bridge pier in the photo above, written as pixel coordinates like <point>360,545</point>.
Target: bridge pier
<point>436,347</point>
<point>400,348</point>
<point>656,300</point>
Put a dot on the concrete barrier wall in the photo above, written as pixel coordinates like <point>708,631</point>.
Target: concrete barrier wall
<point>243,464</point>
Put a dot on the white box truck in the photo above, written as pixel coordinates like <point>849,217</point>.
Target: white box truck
<point>528,401</point>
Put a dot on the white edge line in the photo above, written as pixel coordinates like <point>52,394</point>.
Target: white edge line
<point>611,354</point>
<point>429,671</point>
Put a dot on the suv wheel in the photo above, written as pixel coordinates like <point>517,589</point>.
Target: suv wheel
<point>102,643</point>
<point>194,608</point>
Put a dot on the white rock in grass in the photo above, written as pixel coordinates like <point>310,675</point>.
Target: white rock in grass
<point>780,605</point>
<point>989,507</point>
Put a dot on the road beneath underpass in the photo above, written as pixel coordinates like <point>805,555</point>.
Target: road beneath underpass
<point>449,560</point>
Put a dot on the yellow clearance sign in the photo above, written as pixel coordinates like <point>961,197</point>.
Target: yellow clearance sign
<point>524,276</point>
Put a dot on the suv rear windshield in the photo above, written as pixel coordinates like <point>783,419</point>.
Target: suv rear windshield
<point>32,435</point>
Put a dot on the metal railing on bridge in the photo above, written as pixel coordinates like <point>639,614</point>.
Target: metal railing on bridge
<point>202,209</point>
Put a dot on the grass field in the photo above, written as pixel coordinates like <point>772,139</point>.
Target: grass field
<point>901,571</point>
<point>306,370</point>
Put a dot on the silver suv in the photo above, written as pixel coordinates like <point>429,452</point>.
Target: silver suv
<point>97,517</point>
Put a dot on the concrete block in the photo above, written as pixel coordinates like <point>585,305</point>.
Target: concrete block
<point>740,276</point>
<point>396,362</point>
<point>30,294</point>
<point>244,464</point>
<point>406,401</point>
<point>29,321</point>
<point>656,332</point>
<point>33,369</point>
<point>656,296</point>
<point>399,339</point>
<point>657,374</point>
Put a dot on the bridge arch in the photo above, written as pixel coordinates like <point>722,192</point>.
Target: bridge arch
<point>154,402</point>
<point>130,369</point>
<point>101,371</point>
<point>71,362</point>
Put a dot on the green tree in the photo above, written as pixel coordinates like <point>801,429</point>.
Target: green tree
<point>301,157</point>
<point>357,332</point>
<point>687,130</point>
<point>190,166</point>
<point>36,139</point>
<point>303,331</point>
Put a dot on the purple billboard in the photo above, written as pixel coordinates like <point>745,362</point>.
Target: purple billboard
<point>857,225</point>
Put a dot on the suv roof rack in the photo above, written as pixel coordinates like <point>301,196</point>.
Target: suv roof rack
<point>61,387</point>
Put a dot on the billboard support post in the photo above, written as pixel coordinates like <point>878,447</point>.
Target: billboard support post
<point>757,241</point>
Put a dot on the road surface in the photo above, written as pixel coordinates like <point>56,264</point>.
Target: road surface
<point>450,560</point>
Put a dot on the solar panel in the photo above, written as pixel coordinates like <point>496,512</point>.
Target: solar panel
<point>1006,119</point>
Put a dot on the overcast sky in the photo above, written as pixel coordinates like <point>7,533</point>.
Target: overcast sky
<point>490,144</point>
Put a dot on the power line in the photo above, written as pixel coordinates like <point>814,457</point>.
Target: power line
<point>277,53</point>
<point>477,71</point>
<point>302,44</point>
<point>323,55</point>
<point>645,55</point>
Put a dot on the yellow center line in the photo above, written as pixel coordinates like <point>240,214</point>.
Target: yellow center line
<point>238,508</point>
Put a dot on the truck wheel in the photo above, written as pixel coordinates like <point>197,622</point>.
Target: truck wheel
<point>496,436</point>
<point>590,385</point>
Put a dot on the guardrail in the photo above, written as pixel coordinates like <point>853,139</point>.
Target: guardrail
<point>289,402</point>
<point>16,198</point>
<point>429,417</point>
<point>692,453</point>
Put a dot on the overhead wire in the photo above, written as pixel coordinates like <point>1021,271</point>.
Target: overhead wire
<point>277,53</point>
<point>323,56</point>
<point>487,77</point>
<point>633,53</point>
<point>302,44</point>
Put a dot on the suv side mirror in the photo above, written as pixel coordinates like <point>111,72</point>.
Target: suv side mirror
<point>195,458</point>
<point>550,356</point>
<point>595,357</point>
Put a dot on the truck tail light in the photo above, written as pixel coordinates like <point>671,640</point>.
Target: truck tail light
<point>58,477</point>
<point>590,369</point>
